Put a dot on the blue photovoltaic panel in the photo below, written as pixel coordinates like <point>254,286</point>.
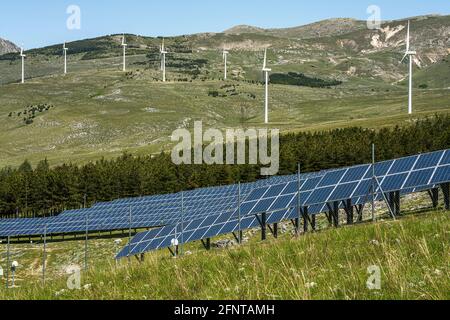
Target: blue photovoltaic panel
<point>344,191</point>
<point>419,178</point>
<point>283,202</point>
<point>263,205</point>
<point>275,191</point>
<point>319,195</point>
<point>363,189</point>
<point>403,165</point>
<point>393,183</point>
<point>332,178</point>
<point>442,175</point>
<point>446,158</point>
<point>257,194</point>
<point>428,160</point>
<point>310,184</point>
<point>355,174</point>
<point>381,169</point>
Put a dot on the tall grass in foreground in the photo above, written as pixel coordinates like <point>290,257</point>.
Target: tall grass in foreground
<point>413,254</point>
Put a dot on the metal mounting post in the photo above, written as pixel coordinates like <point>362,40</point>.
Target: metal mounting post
<point>305,219</point>
<point>349,210</point>
<point>207,244</point>
<point>299,203</point>
<point>263,226</point>
<point>44,255</point>
<point>446,191</point>
<point>434,195</point>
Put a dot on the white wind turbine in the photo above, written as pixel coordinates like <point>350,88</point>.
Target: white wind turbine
<point>22,55</point>
<point>65,58</point>
<point>409,54</point>
<point>124,45</point>
<point>163,53</point>
<point>266,72</point>
<point>225,60</point>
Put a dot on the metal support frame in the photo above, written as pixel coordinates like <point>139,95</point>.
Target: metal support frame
<point>129,233</point>
<point>360,211</point>
<point>446,191</point>
<point>8,251</point>
<point>434,195</point>
<point>174,253</point>
<point>44,255</point>
<point>386,200</point>
<point>263,226</point>
<point>394,202</point>
<point>207,243</point>
<point>275,230</point>
<point>239,239</point>
<point>299,204</point>
<point>328,215</point>
<point>306,219</point>
<point>182,224</point>
<point>333,216</point>
<point>86,239</point>
<point>313,222</point>
<point>349,211</point>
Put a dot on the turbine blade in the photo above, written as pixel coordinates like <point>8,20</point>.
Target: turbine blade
<point>265,59</point>
<point>407,37</point>
<point>404,57</point>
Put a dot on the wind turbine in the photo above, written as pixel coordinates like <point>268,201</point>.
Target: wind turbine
<point>124,45</point>
<point>163,53</point>
<point>65,58</point>
<point>266,72</point>
<point>225,60</point>
<point>409,54</point>
<point>22,55</point>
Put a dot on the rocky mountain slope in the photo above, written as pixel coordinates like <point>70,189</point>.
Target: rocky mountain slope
<point>7,47</point>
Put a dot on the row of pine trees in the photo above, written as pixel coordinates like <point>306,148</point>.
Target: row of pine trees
<point>42,190</point>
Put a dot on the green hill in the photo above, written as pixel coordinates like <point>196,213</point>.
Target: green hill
<point>99,111</point>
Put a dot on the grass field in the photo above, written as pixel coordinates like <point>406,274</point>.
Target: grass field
<point>412,253</point>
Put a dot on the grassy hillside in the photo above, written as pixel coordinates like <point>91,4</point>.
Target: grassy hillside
<point>99,111</point>
<point>413,254</point>
<point>107,112</point>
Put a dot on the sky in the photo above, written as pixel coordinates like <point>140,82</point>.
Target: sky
<point>35,24</point>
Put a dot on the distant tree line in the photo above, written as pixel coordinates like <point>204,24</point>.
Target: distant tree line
<point>299,79</point>
<point>45,190</point>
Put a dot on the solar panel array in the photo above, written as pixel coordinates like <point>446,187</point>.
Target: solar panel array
<point>136,213</point>
<point>281,201</point>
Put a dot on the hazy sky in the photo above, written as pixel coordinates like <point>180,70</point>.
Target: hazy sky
<point>35,23</point>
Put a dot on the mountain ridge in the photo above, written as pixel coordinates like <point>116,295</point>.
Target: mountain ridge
<point>7,46</point>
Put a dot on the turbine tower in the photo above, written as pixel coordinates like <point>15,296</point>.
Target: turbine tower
<point>225,60</point>
<point>22,55</point>
<point>409,54</point>
<point>124,45</point>
<point>163,53</point>
<point>266,72</point>
<point>65,58</point>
